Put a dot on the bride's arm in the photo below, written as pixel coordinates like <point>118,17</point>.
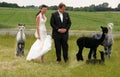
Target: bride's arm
<point>37,26</point>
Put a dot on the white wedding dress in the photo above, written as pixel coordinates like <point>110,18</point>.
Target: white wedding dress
<point>42,45</point>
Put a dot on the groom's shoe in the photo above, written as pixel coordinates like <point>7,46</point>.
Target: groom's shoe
<point>66,60</point>
<point>58,62</point>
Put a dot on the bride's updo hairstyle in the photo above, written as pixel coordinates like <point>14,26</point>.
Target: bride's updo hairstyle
<point>41,8</point>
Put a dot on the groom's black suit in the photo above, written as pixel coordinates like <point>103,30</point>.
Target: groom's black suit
<point>60,39</point>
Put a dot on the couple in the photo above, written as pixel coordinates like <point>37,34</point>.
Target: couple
<point>60,23</point>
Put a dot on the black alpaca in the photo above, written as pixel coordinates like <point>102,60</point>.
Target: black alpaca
<point>91,43</point>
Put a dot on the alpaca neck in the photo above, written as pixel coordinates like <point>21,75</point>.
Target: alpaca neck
<point>110,32</point>
<point>21,34</point>
<point>102,38</point>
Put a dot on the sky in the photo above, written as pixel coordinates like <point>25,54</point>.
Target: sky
<point>73,3</point>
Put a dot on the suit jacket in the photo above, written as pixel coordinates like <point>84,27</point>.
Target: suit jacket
<point>56,24</point>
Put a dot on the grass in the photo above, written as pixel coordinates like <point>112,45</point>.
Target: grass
<point>11,66</point>
<point>10,17</point>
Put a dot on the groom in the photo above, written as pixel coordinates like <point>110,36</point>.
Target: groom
<point>60,23</point>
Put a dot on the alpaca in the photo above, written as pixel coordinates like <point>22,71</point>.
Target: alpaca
<point>108,42</point>
<point>91,43</point>
<point>97,61</point>
<point>20,40</point>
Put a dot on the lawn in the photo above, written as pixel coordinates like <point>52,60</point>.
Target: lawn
<point>12,66</point>
<point>10,17</point>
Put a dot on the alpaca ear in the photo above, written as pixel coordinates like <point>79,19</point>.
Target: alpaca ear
<point>19,24</point>
<point>101,27</point>
<point>23,24</point>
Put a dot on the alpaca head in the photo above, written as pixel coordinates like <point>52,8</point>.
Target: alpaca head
<point>110,26</point>
<point>21,27</point>
<point>104,29</point>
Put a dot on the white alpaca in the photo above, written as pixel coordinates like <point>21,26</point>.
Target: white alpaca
<point>20,40</point>
<point>108,42</point>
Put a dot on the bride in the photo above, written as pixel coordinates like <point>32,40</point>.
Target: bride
<point>43,43</point>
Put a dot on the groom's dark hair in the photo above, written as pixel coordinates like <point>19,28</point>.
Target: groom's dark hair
<point>61,5</point>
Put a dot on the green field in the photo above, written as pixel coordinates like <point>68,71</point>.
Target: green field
<point>10,17</point>
<point>11,66</point>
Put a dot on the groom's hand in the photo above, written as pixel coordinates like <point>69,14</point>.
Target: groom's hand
<point>62,30</point>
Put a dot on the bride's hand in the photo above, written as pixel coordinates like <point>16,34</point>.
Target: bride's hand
<point>38,37</point>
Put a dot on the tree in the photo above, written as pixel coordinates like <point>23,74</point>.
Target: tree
<point>4,4</point>
<point>53,7</point>
<point>118,7</point>
<point>31,6</point>
<point>105,5</point>
<point>92,8</point>
<point>69,8</point>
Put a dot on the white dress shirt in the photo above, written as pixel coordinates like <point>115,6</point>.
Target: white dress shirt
<point>61,15</point>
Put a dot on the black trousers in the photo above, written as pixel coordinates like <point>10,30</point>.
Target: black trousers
<point>61,45</point>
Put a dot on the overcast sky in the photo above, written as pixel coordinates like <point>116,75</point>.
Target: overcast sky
<point>74,3</point>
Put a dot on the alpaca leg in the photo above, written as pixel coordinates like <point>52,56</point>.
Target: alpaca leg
<point>109,50</point>
<point>90,54</point>
<point>106,50</point>
<point>22,48</point>
<point>102,56</point>
<point>17,49</point>
<point>79,54</point>
<point>94,55</point>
